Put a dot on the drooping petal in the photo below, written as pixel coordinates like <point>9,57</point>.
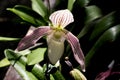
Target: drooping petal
<point>77,51</point>
<point>61,18</point>
<point>33,35</point>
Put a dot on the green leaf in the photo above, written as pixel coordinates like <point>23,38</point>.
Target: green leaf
<point>39,7</point>
<point>36,56</point>
<point>51,77</point>
<point>20,66</point>
<point>24,74</point>
<point>28,15</point>
<point>32,77</point>
<point>70,4</point>
<point>21,70</point>
<point>4,62</point>
<point>58,75</point>
<point>38,72</point>
<point>86,29</point>
<point>92,13</point>
<point>9,39</point>
<point>24,52</point>
<point>83,3</point>
<point>102,25</point>
<point>13,57</point>
<point>109,35</point>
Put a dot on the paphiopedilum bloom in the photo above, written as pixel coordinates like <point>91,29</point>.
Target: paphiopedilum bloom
<point>56,35</point>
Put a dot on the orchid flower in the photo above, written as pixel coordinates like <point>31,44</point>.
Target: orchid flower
<point>108,73</point>
<point>55,35</point>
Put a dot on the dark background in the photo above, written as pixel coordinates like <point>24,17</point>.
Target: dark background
<point>10,26</point>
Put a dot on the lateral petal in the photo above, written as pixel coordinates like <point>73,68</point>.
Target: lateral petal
<point>77,51</point>
<point>33,35</point>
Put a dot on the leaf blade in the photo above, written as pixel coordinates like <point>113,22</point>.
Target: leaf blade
<point>36,56</point>
<point>102,25</point>
<point>39,7</point>
<point>109,35</point>
<point>28,15</point>
<point>70,4</point>
<point>8,39</point>
<point>4,62</point>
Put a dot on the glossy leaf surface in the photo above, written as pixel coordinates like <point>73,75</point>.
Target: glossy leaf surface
<point>109,35</point>
<point>102,24</point>
<point>39,7</point>
<point>83,3</point>
<point>70,4</point>
<point>28,15</point>
<point>92,13</point>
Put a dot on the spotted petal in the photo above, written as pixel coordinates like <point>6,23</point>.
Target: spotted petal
<point>33,35</point>
<point>61,18</point>
<point>75,45</point>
